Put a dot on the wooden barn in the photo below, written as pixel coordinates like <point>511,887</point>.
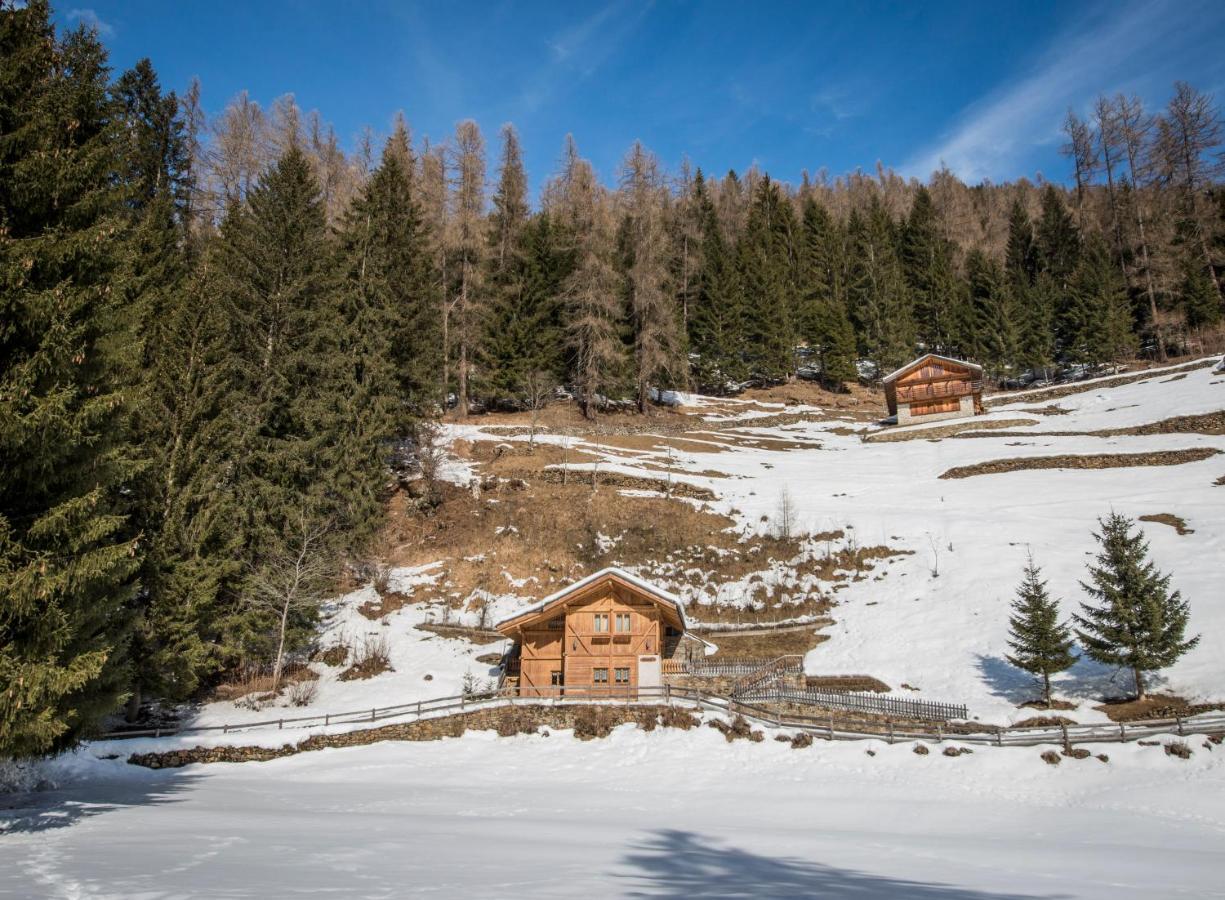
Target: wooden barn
<point>609,633</point>
<point>934,387</point>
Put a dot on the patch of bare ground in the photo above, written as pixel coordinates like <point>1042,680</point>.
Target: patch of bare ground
<point>1154,706</point>
<point>766,646</point>
<point>857,397</point>
<point>1048,410</point>
<point>1178,523</point>
<point>478,636</point>
<point>1043,722</point>
<point>1220,482</point>
<point>1055,704</point>
<point>1065,390</point>
<point>953,429</point>
<point>1205,423</point>
<point>847,684</point>
<point>254,688</point>
<point>1087,461</point>
<point>371,657</point>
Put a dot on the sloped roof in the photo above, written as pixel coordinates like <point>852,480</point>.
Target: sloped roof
<point>918,363</point>
<point>652,590</point>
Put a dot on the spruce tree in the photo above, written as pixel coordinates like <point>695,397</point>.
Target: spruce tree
<point>1199,299</point>
<point>1057,239</point>
<point>68,550</point>
<point>767,259</point>
<point>1094,324</point>
<point>879,298</point>
<point>990,336</point>
<point>822,320</point>
<point>927,260</point>
<point>1136,622</point>
<point>1041,644</point>
<point>716,315</point>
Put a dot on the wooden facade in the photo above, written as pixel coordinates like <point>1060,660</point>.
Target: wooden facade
<point>608,633</point>
<point>934,387</point>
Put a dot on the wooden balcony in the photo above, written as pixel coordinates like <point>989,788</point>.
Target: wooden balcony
<point>938,391</point>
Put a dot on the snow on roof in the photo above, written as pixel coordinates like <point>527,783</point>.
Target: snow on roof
<point>646,586</point>
<point>926,356</point>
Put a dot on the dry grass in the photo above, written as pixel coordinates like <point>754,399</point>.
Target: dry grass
<point>765,646</point>
<point>953,429</point>
<point>371,657</point>
<point>1087,461</point>
<point>253,687</point>
<point>1178,523</point>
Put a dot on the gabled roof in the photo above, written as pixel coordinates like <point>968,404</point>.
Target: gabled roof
<point>924,359</point>
<point>612,573</point>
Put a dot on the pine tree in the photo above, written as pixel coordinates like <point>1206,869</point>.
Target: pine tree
<point>1200,300</point>
<point>1031,296</point>
<point>879,300</point>
<point>1058,240</point>
<point>301,460</point>
<point>1094,324</point>
<point>68,551</point>
<point>823,321</point>
<point>768,259</point>
<point>1137,622</point>
<point>927,260</point>
<point>1041,644</point>
<point>716,317</point>
<point>990,337</point>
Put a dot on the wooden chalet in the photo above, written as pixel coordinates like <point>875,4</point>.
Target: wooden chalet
<point>610,633</point>
<point>934,387</point>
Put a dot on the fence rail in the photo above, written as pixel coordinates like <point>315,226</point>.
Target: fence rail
<point>826,726</point>
<point>865,703</point>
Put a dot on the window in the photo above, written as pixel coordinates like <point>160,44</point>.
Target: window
<point>555,679</point>
<point>622,676</point>
<point>599,676</point>
<point>601,623</point>
<point>623,623</point>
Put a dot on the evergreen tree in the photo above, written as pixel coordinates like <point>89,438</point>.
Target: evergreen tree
<point>302,459</point>
<point>927,260</point>
<point>716,317</point>
<point>1021,254</point>
<point>989,337</point>
<point>1030,296</point>
<point>1137,623</point>
<point>823,321</point>
<point>1058,240</point>
<point>879,299</point>
<point>767,261</point>
<point>68,552</point>
<point>1200,300</point>
<point>1094,324</point>
<point>1041,644</point>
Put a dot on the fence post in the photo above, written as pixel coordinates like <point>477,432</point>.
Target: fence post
<point>225,729</point>
<point>999,738</point>
<point>831,728</point>
<point>1067,745</point>
<point>1123,732</point>
<point>1180,731</point>
<point>372,715</point>
<point>418,709</point>
<point>891,733</point>
<point>327,719</point>
<point>280,724</point>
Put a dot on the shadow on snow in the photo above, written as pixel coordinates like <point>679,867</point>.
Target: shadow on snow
<point>678,864</point>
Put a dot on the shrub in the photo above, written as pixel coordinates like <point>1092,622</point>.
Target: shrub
<point>1051,758</point>
<point>303,693</point>
<point>956,751</point>
<point>921,749</point>
<point>593,722</point>
<point>336,655</point>
<point>801,740</point>
<point>674,717</point>
<point>1077,753</point>
<point>1179,749</point>
<point>373,657</point>
<point>647,719</point>
<point>1103,757</point>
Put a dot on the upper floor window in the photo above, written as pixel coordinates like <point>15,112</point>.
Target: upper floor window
<point>599,676</point>
<point>623,622</point>
<point>600,623</point>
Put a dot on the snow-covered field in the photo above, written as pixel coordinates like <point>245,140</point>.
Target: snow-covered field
<point>938,621</point>
<point>659,814</point>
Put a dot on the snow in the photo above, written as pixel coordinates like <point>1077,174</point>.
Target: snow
<point>630,577</point>
<point>659,814</point>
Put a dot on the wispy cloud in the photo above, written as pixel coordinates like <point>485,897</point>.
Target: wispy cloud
<point>579,51</point>
<point>997,133</point>
<point>92,20</point>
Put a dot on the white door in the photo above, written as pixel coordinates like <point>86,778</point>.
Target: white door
<point>649,675</point>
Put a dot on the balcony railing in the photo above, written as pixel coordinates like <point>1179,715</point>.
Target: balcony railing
<point>938,391</point>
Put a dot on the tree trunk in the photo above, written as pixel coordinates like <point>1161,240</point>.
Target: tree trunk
<point>1139,684</point>
<point>280,648</point>
<point>1046,689</point>
<point>132,710</point>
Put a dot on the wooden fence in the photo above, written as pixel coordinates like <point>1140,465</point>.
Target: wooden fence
<point>828,726</point>
<point>729,667</point>
<point>901,707</point>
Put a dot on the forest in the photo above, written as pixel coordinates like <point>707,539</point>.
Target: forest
<point>221,336</point>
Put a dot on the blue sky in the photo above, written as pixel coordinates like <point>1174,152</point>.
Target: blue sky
<point>981,87</point>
